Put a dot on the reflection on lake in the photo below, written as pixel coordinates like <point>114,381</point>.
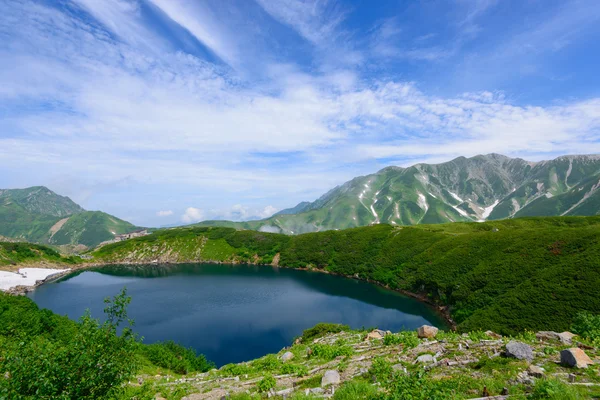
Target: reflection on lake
<point>232,313</point>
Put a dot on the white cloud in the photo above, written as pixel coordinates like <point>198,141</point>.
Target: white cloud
<point>192,215</point>
<point>268,211</point>
<point>164,213</point>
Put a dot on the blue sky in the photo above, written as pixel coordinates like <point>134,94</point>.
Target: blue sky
<point>173,111</point>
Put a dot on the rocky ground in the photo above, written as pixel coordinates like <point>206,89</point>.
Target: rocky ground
<point>469,366</point>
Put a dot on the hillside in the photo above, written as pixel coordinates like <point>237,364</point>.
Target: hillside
<point>485,187</point>
<point>15,255</point>
<point>39,215</point>
<point>509,275</point>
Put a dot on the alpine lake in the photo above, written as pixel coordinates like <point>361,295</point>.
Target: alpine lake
<point>232,313</point>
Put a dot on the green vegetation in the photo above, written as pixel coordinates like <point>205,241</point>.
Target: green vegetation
<point>507,276</point>
<point>44,355</point>
<point>322,329</point>
<point>587,326</point>
<point>23,253</point>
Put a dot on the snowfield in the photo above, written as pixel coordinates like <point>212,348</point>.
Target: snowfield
<point>25,277</point>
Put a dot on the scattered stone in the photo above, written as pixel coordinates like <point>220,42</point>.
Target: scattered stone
<point>493,335</point>
<point>298,341</point>
<point>316,391</point>
<point>575,357</point>
<point>377,334</point>
<point>7,375</point>
<point>309,352</point>
<point>519,350</point>
<point>287,356</point>
<point>572,378</point>
<point>427,331</point>
<point>547,336</point>
<point>236,378</point>
<point>524,378</point>
<point>566,337</point>
<point>535,371</point>
<point>285,392</point>
<point>426,359</point>
<point>331,377</point>
<point>398,367</point>
<point>504,391</point>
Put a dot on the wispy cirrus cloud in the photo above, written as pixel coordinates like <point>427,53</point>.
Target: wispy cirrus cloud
<point>96,90</point>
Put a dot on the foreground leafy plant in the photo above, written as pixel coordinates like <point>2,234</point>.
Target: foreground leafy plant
<point>92,366</point>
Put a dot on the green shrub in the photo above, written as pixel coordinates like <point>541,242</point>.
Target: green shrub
<point>329,352</point>
<point>321,329</point>
<point>587,326</point>
<point>176,357</point>
<point>408,339</point>
<point>553,389</point>
<point>355,391</point>
<point>268,363</point>
<point>296,369</point>
<point>93,365</point>
<point>267,383</point>
<point>236,369</point>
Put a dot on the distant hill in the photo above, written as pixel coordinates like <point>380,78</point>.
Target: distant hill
<point>39,215</point>
<point>481,188</point>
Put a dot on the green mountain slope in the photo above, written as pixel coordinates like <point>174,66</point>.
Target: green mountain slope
<point>480,188</point>
<point>39,215</point>
<point>509,275</point>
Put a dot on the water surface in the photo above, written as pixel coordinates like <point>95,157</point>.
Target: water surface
<point>232,313</point>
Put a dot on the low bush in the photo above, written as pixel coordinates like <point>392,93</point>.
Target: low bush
<point>267,383</point>
<point>322,329</point>
<point>176,358</point>
<point>587,326</point>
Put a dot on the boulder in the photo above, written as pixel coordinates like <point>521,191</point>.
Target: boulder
<point>493,335</point>
<point>535,371</point>
<point>377,334</point>
<point>575,357</point>
<point>547,336</point>
<point>566,337</point>
<point>331,377</point>
<point>427,331</point>
<point>426,359</point>
<point>519,350</point>
<point>287,356</point>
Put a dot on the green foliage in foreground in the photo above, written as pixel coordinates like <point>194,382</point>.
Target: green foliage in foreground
<point>587,326</point>
<point>507,276</point>
<point>44,355</point>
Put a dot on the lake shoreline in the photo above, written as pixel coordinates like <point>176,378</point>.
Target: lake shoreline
<point>441,311</point>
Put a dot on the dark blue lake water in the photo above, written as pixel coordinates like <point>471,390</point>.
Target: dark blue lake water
<point>232,313</point>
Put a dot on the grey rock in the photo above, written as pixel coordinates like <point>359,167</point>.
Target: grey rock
<point>331,377</point>
<point>566,337</point>
<point>317,390</point>
<point>285,392</point>
<point>535,371</point>
<point>287,356</point>
<point>519,350</point>
<point>547,336</point>
<point>426,359</point>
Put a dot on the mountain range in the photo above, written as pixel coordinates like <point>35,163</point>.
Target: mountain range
<point>37,214</point>
<point>480,188</point>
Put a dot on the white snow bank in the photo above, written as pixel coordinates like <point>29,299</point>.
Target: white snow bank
<point>488,210</point>
<point>25,277</point>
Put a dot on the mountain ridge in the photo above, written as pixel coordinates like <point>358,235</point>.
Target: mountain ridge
<point>37,214</point>
<point>484,187</point>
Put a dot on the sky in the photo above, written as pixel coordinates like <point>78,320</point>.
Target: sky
<point>167,112</point>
